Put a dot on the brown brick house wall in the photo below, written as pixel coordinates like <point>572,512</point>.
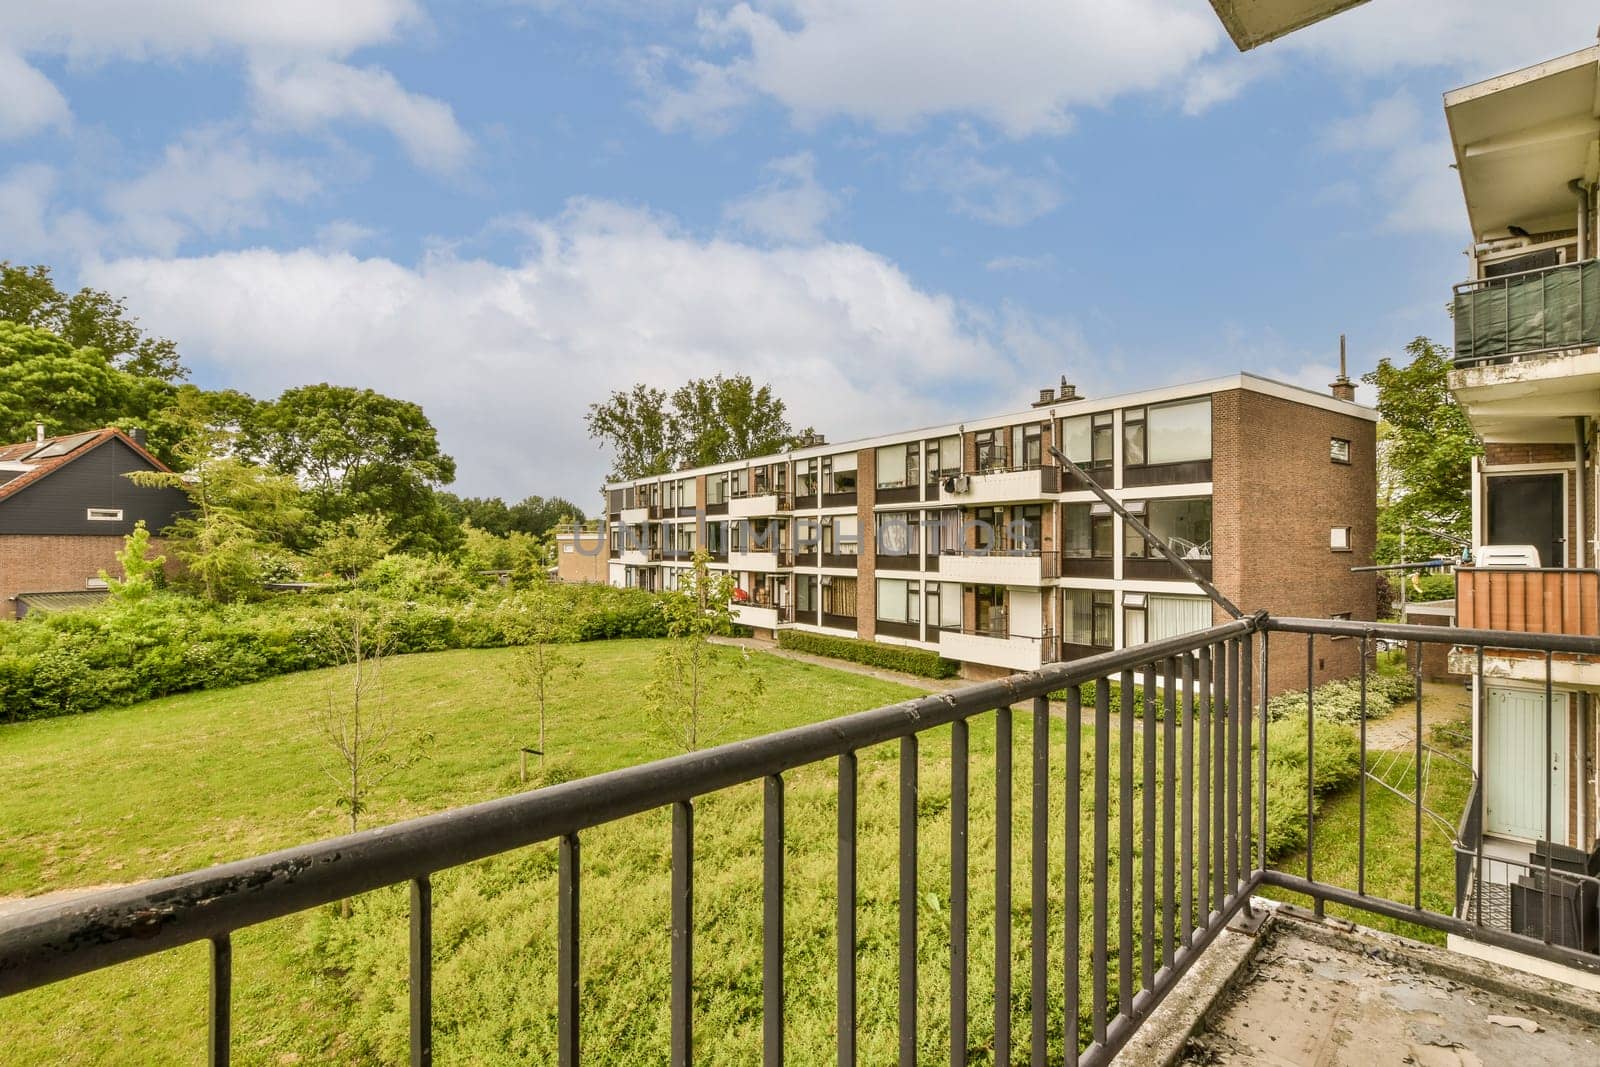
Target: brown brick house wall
<point>42,563</point>
<point>1277,494</point>
<point>587,560</point>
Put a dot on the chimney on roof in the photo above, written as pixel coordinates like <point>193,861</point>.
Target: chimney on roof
<point>1343,388</point>
<point>136,434</point>
<point>1068,391</point>
<point>1046,398</point>
<point>38,432</point>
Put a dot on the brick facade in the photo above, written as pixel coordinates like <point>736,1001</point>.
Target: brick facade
<point>582,557</point>
<point>1277,495</point>
<point>47,564</point>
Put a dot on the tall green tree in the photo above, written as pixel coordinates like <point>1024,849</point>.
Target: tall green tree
<point>703,421</point>
<point>356,451</point>
<point>639,428</point>
<point>1426,447</point>
<point>88,318</point>
<point>242,517</point>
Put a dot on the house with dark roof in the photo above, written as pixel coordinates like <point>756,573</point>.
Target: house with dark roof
<point>65,507</point>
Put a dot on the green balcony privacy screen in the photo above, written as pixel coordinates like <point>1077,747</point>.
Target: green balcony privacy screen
<point>1534,312</point>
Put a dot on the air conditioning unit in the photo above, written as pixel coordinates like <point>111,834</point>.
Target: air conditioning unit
<point>1506,556</point>
<point>963,483</point>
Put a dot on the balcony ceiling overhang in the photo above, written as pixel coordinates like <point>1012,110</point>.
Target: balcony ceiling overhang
<point>1533,401</point>
<point>1255,22</point>
<point>1521,137</point>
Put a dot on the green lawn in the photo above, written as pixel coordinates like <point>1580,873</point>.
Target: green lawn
<point>120,795</point>
<point>1391,835</point>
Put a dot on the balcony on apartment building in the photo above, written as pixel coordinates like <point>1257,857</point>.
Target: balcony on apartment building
<point>999,565</point>
<point>1529,600</point>
<point>1000,484</point>
<point>759,503</point>
<point>997,646</point>
<point>1529,313</point>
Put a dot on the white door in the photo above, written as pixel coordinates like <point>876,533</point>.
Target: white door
<point>1516,778</point>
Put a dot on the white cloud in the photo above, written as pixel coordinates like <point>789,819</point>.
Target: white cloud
<point>1476,38</point>
<point>95,30</point>
<point>210,182</point>
<point>1411,177</point>
<point>343,235</point>
<point>1023,66</point>
<point>791,206</point>
<point>30,225</point>
<point>983,191</point>
<point>29,102</point>
<point>314,92</point>
<point>1218,81</point>
<point>506,356</point>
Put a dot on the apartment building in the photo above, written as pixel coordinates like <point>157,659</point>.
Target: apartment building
<point>970,540</point>
<point>1527,373</point>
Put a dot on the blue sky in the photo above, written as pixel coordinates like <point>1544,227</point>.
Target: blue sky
<point>896,211</point>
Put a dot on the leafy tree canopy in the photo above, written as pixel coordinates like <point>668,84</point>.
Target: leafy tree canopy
<point>88,318</point>
<point>534,515</point>
<point>1426,449</point>
<point>357,451</point>
<point>703,421</point>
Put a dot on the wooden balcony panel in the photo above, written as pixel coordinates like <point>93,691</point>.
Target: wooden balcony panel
<point>1529,600</point>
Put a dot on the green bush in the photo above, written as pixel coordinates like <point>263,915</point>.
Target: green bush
<point>1426,587</point>
<point>1340,701</point>
<point>916,661</point>
<point>1337,764</point>
<point>128,651</point>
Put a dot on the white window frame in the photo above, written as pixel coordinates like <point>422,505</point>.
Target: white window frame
<point>104,515</point>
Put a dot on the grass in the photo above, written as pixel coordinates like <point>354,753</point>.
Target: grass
<point>173,784</point>
<point>1391,835</point>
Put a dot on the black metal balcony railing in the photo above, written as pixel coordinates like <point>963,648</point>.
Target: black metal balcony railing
<point>1528,313</point>
<point>1200,820</point>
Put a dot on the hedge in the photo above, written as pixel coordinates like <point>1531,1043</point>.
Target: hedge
<point>916,661</point>
<point>123,653</point>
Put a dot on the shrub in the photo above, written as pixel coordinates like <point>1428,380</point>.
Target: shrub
<point>1340,701</point>
<point>916,661</point>
<point>1337,764</point>
<point>132,650</point>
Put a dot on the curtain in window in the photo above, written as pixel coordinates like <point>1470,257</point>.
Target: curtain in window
<point>1169,616</point>
<point>891,466</point>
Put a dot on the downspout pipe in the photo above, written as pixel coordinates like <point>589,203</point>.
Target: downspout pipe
<point>1576,185</point>
<point>1580,429</point>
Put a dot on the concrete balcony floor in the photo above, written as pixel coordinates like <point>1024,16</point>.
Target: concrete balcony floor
<point>1303,992</point>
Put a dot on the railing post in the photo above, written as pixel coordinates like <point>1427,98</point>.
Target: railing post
<point>1073,778</point>
<point>1186,860</point>
<point>1002,885</point>
<point>959,741</point>
<point>682,933</point>
<point>1169,785</point>
<point>1361,824</point>
<point>1311,767</point>
<point>567,959</point>
<point>1125,848</point>
<point>1149,730</point>
<point>219,1007</point>
<point>421,972</point>
<point>908,900</point>
<point>772,843</point>
<point>1038,927</point>
<point>847,910</point>
<point>1102,802</point>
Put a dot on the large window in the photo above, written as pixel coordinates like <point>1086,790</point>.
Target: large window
<point>717,538</point>
<point>841,535</point>
<point>899,465</point>
<point>1086,617</point>
<point>1169,616</point>
<point>897,534</point>
<point>1178,433</point>
<point>838,596</point>
<point>944,605</point>
<point>990,449</point>
<point>1027,447</point>
<point>991,613</point>
<point>943,532</point>
<point>805,593</point>
<point>840,475</point>
<point>899,601</point>
<point>949,456</point>
<point>717,489</point>
<point>805,476</point>
<point>806,535</point>
<point>1025,532</point>
<point>1086,440</point>
<point>1183,523</point>
<point>1087,535</point>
